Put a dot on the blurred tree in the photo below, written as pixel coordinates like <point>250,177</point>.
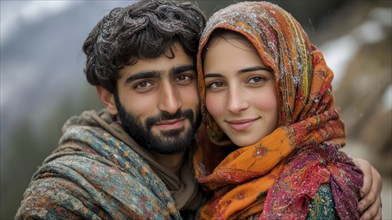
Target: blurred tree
<point>23,159</point>
<point>30,145</point>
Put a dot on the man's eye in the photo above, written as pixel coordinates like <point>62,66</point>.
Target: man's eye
<point>143,85</point>
<point>183,78</point>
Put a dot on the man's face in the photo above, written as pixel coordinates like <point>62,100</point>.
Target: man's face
<point>157,102</point>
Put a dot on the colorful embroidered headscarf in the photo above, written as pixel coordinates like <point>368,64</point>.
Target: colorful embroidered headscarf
<point>276,177</point>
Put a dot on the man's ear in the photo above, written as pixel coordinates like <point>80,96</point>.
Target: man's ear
<point>107,98</point>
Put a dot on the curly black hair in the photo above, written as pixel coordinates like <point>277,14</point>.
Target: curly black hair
<point>145,29</point>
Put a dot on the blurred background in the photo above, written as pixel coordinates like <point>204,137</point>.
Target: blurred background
<point>42,80</point>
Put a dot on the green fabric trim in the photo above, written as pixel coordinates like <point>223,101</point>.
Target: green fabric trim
<point>322,205</point>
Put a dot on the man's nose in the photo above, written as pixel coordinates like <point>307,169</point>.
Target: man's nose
<point>169,98</point>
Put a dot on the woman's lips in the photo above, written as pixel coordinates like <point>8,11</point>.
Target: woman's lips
<point>241,124</point>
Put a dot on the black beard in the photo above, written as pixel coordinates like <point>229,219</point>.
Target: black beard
<point>169,142</point>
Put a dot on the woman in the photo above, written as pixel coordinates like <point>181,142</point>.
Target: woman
<point>267,97</point>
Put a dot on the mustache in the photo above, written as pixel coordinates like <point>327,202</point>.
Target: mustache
<point>187,113</point>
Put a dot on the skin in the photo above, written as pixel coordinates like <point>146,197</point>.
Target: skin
<point>153,86</point>
<point>240,91</point>
<point>370,204</point>
<point>233,94</point>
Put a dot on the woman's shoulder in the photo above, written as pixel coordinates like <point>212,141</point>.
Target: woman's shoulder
<point>322,205</point>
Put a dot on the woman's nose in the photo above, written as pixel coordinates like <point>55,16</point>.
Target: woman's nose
<point>236,102</point>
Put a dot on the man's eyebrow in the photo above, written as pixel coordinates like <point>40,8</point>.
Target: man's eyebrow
<point>157,74</point>
<point>181,69</point>
<point>143,75</point>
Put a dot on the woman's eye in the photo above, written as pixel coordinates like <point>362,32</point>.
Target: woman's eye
<point>215,85</point>
<point>256,79</point>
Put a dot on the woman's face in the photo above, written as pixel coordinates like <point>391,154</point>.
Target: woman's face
<point>240,91</point>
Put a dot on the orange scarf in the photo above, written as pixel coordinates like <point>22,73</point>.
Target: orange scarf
<point>276,177</point>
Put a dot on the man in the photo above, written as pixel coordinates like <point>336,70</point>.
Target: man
<point>131,160</point>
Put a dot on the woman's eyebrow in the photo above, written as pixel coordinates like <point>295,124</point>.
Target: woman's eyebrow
<point>246,70</point>
<point>212,75</point>
<point>255,68</point>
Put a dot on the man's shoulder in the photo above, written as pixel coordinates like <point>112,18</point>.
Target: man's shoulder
<point>88,118</point>
<point>73,181</point>
<point>83,132</point>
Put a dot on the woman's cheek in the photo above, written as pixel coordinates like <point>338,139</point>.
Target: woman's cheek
<point>213,105</point>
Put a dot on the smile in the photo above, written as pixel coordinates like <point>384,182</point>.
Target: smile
<point>241,125</point>
<point>171,124</point>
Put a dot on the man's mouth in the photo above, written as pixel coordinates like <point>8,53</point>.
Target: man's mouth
<point>171,124</point>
